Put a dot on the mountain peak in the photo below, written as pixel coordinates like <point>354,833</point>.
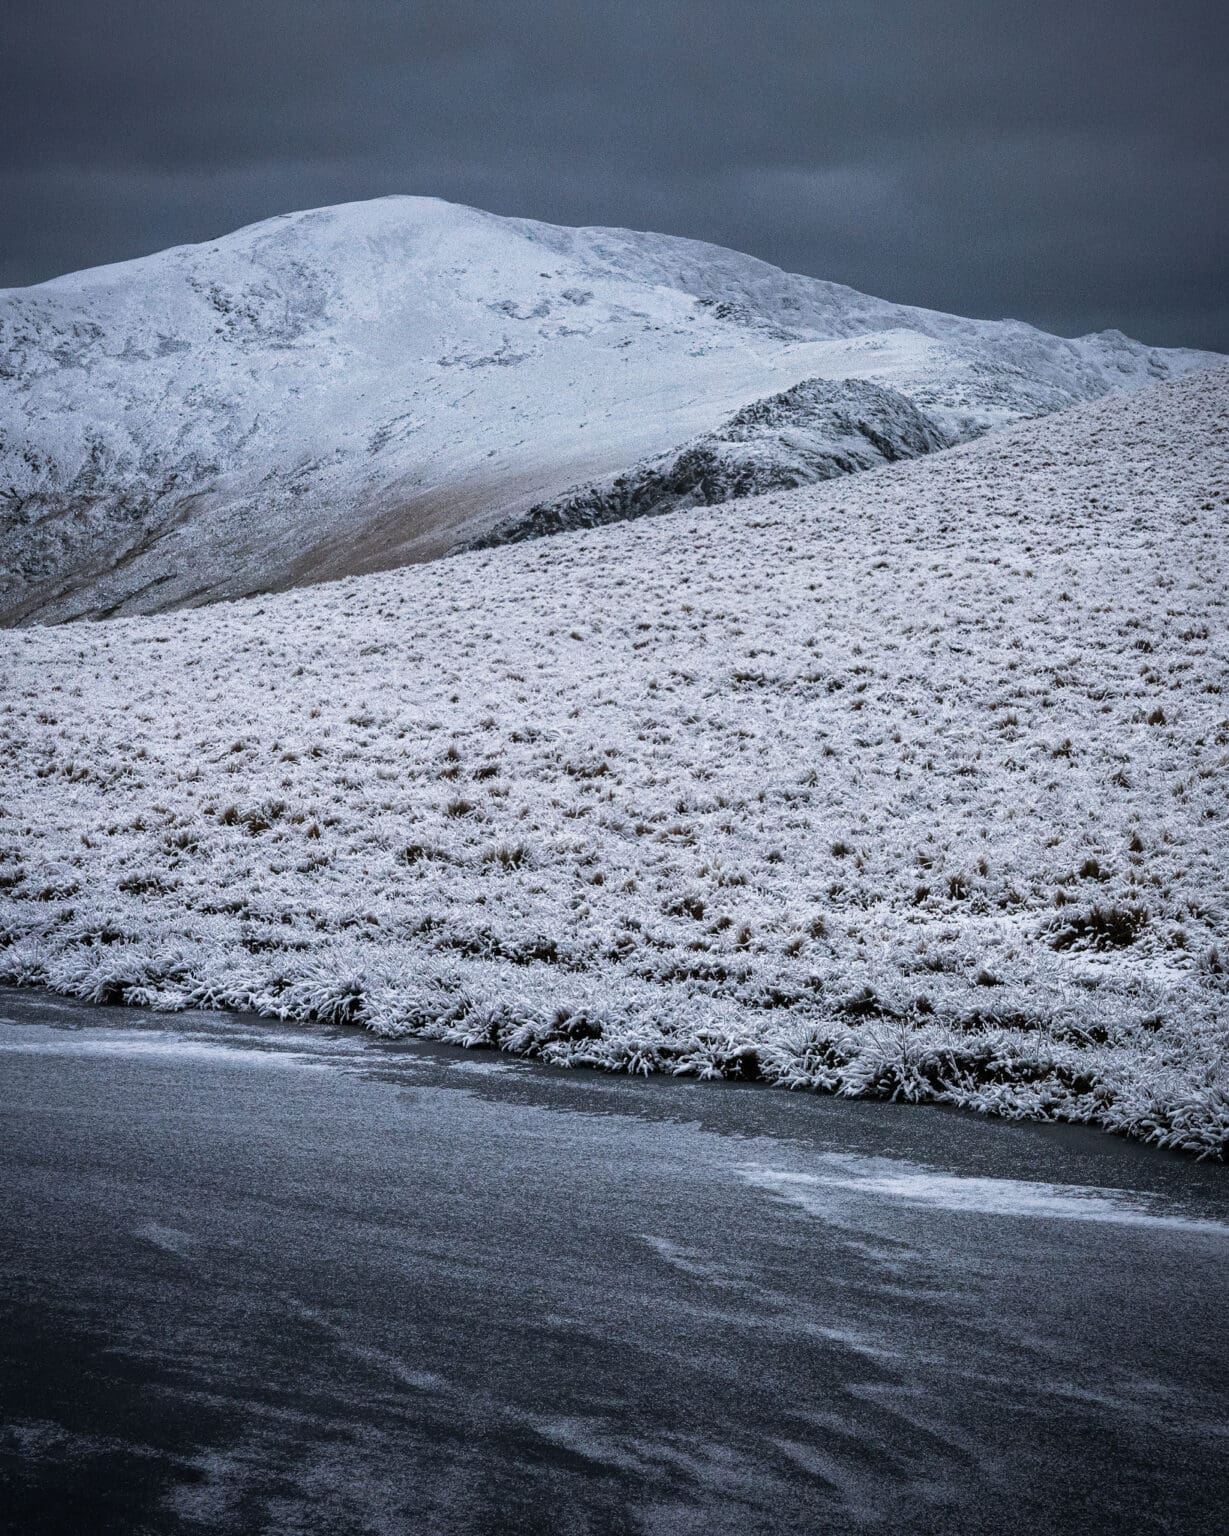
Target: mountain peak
<point>352,387</point>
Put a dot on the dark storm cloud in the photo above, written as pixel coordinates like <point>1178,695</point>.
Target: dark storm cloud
<point>1059,162</point>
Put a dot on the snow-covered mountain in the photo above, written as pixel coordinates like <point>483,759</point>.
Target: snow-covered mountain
<point>371,385</point>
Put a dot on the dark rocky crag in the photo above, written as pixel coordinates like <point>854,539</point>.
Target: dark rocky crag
<point>819,429</point>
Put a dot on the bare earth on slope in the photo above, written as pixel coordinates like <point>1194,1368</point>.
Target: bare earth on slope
<point>908,783</point>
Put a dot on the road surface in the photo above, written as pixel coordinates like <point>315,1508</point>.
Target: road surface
<point>263,1278</point>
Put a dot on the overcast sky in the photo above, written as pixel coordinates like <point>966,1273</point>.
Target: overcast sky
<point>1062,161</point>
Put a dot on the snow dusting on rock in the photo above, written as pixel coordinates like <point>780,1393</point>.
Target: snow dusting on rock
<point>817,430</point>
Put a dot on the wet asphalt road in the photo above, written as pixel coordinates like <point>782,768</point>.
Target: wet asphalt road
<point>257,1278</point>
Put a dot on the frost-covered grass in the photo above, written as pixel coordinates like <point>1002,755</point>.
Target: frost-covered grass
<point>913,783</point>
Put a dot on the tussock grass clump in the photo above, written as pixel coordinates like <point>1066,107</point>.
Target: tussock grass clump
<point>1099,927</point>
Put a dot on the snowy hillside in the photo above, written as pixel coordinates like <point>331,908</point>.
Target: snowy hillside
<point>911,782</point>
<point>360,387</point>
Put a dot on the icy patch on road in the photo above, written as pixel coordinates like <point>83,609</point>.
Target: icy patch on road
<point>824,1194</point>
<point>170,1239</point>
<point>45,1040</point>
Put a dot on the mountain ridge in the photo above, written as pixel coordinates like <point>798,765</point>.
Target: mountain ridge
<point>364,386</point>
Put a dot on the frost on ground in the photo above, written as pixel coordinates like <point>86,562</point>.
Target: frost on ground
<point>911,783</point>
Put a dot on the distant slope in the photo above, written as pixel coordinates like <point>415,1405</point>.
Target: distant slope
<point>364,386</point>
<point>910,782</point>
<point>817,430</point>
